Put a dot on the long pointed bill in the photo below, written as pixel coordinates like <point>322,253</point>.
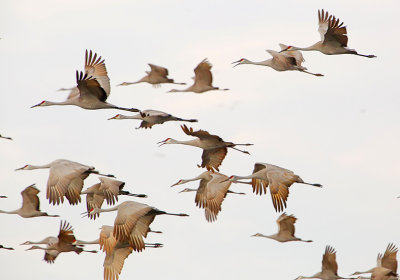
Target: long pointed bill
<point>238,63</point>
<point>284,50</point>
<point>21,168</point>
<point>224,180</point>
<point>161,143</point>
<point>113,118</point>
<point>36,105</point>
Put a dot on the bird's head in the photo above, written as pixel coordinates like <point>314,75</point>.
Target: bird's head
<point>166,141</point>
<point>43,103</point>
<point>230,178</point>
<point>25,167</point>
<point>116,117</point>
<point>241,61</point>
<point>288,48</point>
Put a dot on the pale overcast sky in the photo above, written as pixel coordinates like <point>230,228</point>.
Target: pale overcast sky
<point>341,130</point>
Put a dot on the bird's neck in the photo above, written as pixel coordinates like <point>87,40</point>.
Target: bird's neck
<point>10,212</point>
<point>81,242</point>
<point>71,101</point>
<point>237,178</point>
<point>314,47</point>
<point>32,167</point>
<point>193,142</point>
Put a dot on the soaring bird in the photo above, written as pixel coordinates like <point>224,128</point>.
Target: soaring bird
<point>5,137</point>
<point>214,148</point>
<point>158,75</point>
<point>65,243</point>
<point>93,86</point>
<point>286,230</point>
<point>329,267</point>
<point>280,61</point>
<point>108,189</point>
<point>151,117</point>
<point>333,37</point>
<point>278,180</point>
<point>202,80</point>
<point>211,192</point>
<point>386,266</point>
<point>132,221</point>
<point>30,204</point>
<point>65,179</point>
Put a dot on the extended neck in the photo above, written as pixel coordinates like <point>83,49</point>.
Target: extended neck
<point>32,167</point>
<point>81,242</point>
<point>10,212</point>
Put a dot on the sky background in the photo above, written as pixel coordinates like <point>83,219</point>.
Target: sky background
<point>341,130</point>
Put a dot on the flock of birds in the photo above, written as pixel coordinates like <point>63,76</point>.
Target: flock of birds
<point>133,219</point>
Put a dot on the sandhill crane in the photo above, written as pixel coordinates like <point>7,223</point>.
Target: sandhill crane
<point>65,243</point>
<point>5,137</point>
<point>6,248</point>
<point>158,75</point>
<point>151,117</point>
<point>49,240</point>
<point>333,37</point>
<point>65,179</point>
<point>329,267</point>
<point>202,79</point>
<point>278,180</point>
<point>132,221</point>
<point>214,148</point>
<point>30,204</point>
<point>281,61</point>
<point>211,192</point>
<point>286,230</point>
<point>108,189</point>
<point>386,266</point>
<point>94,88</point>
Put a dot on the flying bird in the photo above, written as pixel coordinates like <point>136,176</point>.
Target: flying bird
<point>386,267</point>
<point>158,75</point>
<point>278,180</point>
<point>333,37</point>
<point>6,248</point>
<point>329,267</point>
<point>211,192</point>
<point>151,117</point>
<point>65,179</point>
<point>202,80</point>
<point>30,204</point>
<point>93,86</point>
<point>214,148</point>
<point>132,221</point>
<point>109,190</point>
<point>281,61</point>
<point>65,243</point>
<point>286,230</point>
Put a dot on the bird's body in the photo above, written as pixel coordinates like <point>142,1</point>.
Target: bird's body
<point>152,117</point>
<point>202,81</point>
<point>30,204</point>
<point>214,148</point>
<point>211,192</point>
<point>157,75</point>
<point>329,267</point>
<point>386,267</point>
<point>65,243</point>
<point>132,222</point>
<point>65,179</point>
<point>93,86</point>
<point>333,37</point>
<point>286,230</point>
<point>281,61</point>
<point>109,190</point>
<point>278,180</point>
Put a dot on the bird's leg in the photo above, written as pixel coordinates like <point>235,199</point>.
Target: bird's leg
<point>364,55</point>
<point>315,185</point>
<point>154,231</point>
<point>245,152</point>
<point>235,192</point>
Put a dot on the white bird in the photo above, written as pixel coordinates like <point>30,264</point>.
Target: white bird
<point>151,117</point>
<point>65,179</point>
<point>280,61</point>
<point>278,180</point>
<point>386,266</point>
<point>214,148</point>
<point>30,204</point>
<point>202,80</point>
<point>108,189</point>
<point>65,243</point>
<point>132,221</point>
<point>94,88</point>
<point>5,137</point>
<point>211,192</point>
<point>158,75</point>
<point>329,267</point>
<point>333,37</point>
<point>286,230</point>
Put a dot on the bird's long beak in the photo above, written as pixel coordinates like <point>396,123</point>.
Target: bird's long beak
<point>177,183</point>
<point>21,168</point>
<point>224,180</point>
<point>284,50</point>
<point>113,117</point>
<point>161,143</point>
<point>238,63</point>
<point>36,105</point>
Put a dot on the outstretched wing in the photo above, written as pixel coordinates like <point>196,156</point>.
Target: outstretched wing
<point>160,71</point>
<point>389,258</point>
<point>331,29</point>
<point>202,134</point>
<point>259,185</point>
<point>30,199</point>
<point>212,158</point>
<point>203,73</point>
<point>95,67</point>
<point>286,223</point>
<point>329,260</point>
<point>296,54</point>
<point>89,86</point>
